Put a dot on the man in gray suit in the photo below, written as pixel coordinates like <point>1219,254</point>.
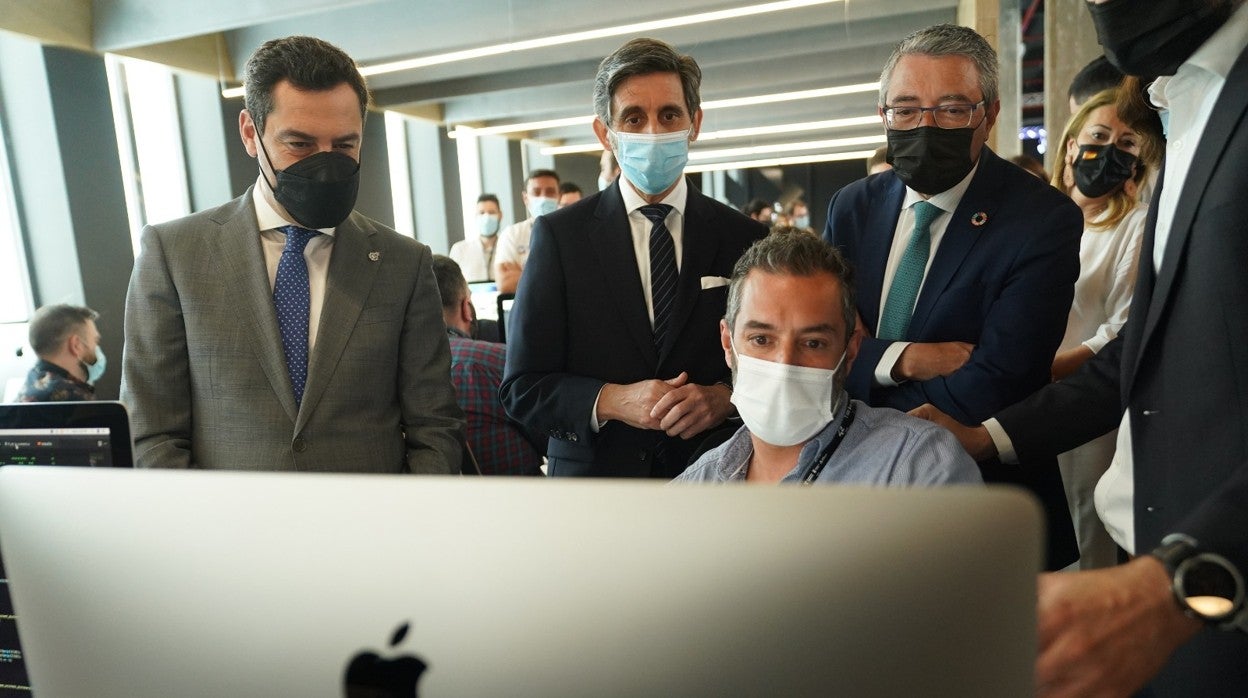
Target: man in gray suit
<point>283,330</point>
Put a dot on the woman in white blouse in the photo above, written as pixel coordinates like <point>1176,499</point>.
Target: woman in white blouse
<point>1103,157</point>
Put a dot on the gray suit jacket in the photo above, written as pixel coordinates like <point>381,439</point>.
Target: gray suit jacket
<point>205,378</point>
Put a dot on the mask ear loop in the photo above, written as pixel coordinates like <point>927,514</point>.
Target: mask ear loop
<point>272,185</point>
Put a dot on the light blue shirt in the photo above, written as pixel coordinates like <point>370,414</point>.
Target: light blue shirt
<point>881,447</point>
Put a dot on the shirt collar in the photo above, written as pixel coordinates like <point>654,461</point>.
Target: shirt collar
<point>1216,56</point>
<point>675,198</point>
<point>267,217</point>
<point>948,199</point>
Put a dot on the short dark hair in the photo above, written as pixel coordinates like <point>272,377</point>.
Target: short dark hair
<point>642,57</point>
<point>53,324</point>
<point>755,206</point>
<point>489,197</point>
<point>1097,76</point>
<point>308,63</point>
<point>569,188</point>
<point>534,174</point>
<point>451,283</point>
<point>798,253</point>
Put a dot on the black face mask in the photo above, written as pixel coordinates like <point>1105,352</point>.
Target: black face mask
<point>1100,169</point>
<point>318,191</point>
<point>1154,38</point>
<point>929,159</point>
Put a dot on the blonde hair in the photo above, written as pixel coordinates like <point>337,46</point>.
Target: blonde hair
<point>1134,112</point>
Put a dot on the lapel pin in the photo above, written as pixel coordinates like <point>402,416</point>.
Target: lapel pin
<point>374,256</point>
<point>979,219</point>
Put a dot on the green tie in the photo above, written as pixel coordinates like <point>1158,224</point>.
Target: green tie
<point>909,277</point>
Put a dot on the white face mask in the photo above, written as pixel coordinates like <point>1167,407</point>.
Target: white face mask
<point>541,205</point>
<point>782,404</point>
<point>487,224</point>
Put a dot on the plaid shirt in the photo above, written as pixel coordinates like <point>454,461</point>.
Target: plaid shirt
<point>497,442</point>
<point>48,382</point>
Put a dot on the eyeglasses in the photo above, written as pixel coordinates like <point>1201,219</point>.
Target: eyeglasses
<point>945,116</point>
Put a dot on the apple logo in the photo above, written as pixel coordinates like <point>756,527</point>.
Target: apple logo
<point>370,676</point>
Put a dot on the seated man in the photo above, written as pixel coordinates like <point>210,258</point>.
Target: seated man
<point>498,443</point>
<point>789,338</point>
<point>67,343</point>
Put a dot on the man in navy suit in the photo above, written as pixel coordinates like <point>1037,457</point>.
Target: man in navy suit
<point>965,263</point>
<point>614,338</point>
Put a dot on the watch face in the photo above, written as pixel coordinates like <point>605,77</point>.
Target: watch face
<point>1209,586</point>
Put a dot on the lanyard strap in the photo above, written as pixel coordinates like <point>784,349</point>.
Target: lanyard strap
<point>831,448</point>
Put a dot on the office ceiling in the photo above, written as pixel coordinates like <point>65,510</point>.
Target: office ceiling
<point>810,45</point>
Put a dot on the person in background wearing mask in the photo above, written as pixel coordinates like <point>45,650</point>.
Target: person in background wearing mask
<point>799,215</point>
<point>789,338</point>
<point>71,359</point>
<point>541,196</point>
<point>613,343</point>
<point>965,264</point>
<point>569,193</point>
<point>1174,382</point>
<point>283,330</point>
<point>476,257</point>
<point>1104,154</point>
<point>760,210</point>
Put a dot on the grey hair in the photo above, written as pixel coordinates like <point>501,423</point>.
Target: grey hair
<point>642,57</point>
<point>798,253</point>
<point>947,40</point>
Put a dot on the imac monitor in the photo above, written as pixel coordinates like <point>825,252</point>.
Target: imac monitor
<point>189,583</point>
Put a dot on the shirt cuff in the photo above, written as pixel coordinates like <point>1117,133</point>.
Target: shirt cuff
<point>1005,447</point>
<point>594,424</point>
<point>884,369</point>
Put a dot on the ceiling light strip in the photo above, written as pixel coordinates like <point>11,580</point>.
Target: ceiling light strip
<point>778,162</point>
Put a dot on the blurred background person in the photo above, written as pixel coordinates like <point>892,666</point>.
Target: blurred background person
<point>759,210</point>
<point>569,193</point>
<point>70,359</point>
<point>1032,165</point>
<point>878,162</point>
<point>475,254</point>
<point>1095,77</point>
<point>1105,152</point>
<point>608,170</point>
<point>541,196</point>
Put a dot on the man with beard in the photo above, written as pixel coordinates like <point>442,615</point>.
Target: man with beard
<point>283,330</point>
<point>965,264</point>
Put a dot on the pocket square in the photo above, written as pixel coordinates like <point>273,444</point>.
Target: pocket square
<point>713,282</point>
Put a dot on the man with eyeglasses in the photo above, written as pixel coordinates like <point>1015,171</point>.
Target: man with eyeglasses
<point>965,264</point>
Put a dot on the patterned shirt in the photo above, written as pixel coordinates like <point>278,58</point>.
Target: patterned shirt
<point>48,382</point>
<point>498,444</point>
<point>881,447</point>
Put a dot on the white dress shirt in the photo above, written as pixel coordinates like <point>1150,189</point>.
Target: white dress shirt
<point>947,201</point>
<point>316,254</point>
<point>474,261</point>
<point>641,226</point>
<point>513,243</point>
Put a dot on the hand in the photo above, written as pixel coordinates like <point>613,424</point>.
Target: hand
<point>976,441</point>
<point>507,276</point>
<point>632,403</point>
<point>1069,361</point>
<point>690,409</point>
<point>1106,632</point>
<point>923,361</point>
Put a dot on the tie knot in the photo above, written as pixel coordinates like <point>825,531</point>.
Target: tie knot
<point>657,213</point>
<point>924,214</point>
<point>297,238</point>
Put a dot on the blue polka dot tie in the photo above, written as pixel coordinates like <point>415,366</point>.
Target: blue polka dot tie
<point>895,320</point>
<point>291,299</point>
<point>662,269</point>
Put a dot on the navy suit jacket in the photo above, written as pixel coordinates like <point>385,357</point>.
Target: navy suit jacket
<point>580,321</point>
<point>1180,366</point>
<point>1004,285</point>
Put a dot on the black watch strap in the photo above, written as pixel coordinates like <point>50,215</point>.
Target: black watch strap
<point>1206,586</point>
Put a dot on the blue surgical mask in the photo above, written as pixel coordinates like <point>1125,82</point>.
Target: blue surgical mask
<point>652,162</point>
<point>487,225</point>
<point>541,205</point>
<point>802,221</point>
<point>95,370</point>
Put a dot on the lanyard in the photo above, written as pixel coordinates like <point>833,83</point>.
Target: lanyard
<point>831,448</point>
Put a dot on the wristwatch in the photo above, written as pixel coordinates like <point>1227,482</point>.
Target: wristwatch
<point>1207,586</point>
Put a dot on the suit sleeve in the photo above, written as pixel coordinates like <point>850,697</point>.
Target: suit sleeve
<point>433,423</point>
<point>1020,334</point>
<point>155,369</point>
<point>537,390</point>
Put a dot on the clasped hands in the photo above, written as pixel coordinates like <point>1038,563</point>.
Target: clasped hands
<point>675,406</point>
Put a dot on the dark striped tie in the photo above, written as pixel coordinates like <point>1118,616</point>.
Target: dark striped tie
<point>662,269</point>
<point>292,300</point>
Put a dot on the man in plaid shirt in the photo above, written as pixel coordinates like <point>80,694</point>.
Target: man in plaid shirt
<point>499,444</point>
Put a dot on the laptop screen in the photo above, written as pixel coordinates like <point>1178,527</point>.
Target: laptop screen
<point>94,434</point>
